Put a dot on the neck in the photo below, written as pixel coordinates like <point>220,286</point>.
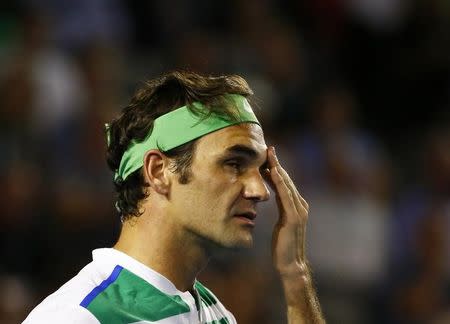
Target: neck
<point>158,244</point>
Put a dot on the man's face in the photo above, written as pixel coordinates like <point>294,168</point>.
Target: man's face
<point>218,205</point>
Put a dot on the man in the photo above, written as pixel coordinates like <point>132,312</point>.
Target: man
<point>190,165</point>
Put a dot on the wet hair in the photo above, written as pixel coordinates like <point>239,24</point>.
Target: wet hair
<point>155,98</point>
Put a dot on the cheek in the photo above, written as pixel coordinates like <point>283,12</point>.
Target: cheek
<point>228,191</point>
<point>223,183</point>
<point>220,191</point>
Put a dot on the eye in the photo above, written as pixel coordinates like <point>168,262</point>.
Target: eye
<point>235,165</point>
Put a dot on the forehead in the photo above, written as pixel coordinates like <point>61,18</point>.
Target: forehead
<point>247,134</point>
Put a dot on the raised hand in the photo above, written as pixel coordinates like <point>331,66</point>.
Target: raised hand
<point>288,245</point>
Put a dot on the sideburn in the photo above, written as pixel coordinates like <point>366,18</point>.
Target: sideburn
<point>185,176</point>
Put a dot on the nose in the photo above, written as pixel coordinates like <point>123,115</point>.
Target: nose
<point>255,188</point>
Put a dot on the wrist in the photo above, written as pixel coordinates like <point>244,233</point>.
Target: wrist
<point>296,289</point>
<point>301,301</point>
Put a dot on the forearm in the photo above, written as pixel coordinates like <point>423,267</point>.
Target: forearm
<point>301,299</point>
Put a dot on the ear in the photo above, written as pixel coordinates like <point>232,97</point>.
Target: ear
<point>156,166</point>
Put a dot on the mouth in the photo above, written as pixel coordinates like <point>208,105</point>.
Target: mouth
<point>247,218</point>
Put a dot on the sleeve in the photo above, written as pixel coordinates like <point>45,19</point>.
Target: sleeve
<point>232,318</point>
<point>73,314</point>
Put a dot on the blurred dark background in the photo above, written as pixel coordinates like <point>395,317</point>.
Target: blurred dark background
<point>355,94</point>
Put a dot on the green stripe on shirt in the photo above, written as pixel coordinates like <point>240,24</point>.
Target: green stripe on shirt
<point>223,320</point>
<point>205,295</point>
<point>130,299</point>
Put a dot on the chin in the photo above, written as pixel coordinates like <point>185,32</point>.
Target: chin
<point>235,241</point>
<point>241,243</point>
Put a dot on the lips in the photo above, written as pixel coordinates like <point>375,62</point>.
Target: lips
<point>249,215</point>
<point>246,218</point>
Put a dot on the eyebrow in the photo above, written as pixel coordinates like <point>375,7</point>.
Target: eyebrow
<point>243,150</point>
<point>247,151</point>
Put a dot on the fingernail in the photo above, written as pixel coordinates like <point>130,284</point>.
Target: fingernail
<point>274,152</point>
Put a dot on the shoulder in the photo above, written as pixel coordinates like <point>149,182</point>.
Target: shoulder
<point>64,303</point>
<point>53,313</point>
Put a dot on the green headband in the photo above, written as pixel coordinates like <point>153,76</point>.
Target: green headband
<point>179,127</point>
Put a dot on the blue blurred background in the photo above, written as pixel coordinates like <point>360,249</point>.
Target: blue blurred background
<point>355,94</point>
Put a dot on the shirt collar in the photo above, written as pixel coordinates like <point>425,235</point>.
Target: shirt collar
<point>113,257</point>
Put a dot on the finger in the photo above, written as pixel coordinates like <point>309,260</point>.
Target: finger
<point>275,175</point>
<point>300,204</point>
<point>268,178</point>
<point>293,187</point>
<point>281,188</point>
<point>300,215</point>
<point>289,181</point>
<point>302,208</point>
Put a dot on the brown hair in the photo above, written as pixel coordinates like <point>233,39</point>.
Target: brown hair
<point>155,98</point>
